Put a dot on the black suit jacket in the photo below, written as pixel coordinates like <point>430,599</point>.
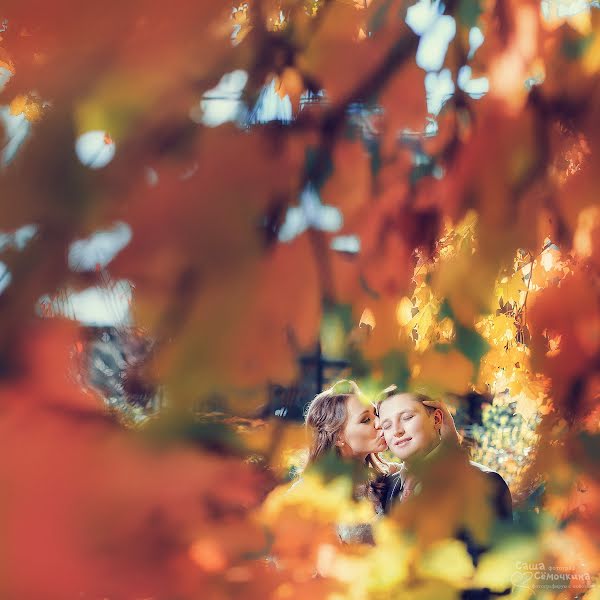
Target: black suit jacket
<point>501,503</point>
<point>502,499</point>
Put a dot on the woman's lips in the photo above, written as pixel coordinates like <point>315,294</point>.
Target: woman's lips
<point>402,442</point>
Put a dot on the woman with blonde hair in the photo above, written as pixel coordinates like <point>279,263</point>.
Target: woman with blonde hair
<point>344,422</point>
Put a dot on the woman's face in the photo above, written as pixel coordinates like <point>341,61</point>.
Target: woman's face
<point>359,435</point>
<point>408,427</point>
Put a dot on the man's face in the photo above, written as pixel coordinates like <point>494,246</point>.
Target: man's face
<point>408,427</point>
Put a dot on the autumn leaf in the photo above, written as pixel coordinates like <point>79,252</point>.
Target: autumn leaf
<point>464,256</point>
<point>440,372</point>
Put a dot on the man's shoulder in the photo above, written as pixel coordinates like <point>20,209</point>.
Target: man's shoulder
<point>489,473</point>
<point>501,491</point>
<point>481,467</point>
<point>486,470</point>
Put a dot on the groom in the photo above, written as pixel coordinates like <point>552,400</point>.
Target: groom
<point>412,430</point>
<point>443,494</point>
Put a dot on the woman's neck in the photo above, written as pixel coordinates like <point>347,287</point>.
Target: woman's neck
<point>354,458</point>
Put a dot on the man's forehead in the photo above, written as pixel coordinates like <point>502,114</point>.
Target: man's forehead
<point>396,404</point>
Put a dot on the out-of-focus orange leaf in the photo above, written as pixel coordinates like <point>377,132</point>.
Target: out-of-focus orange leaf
<point>290,84</point>
<point>348,187</point>
<point>439,372</point>
<point>379,329</point>
<point>570,310</point>
<point>40,41</point>
<point>22,105</point>
<point>93,509</point>
<point>281,314</point>
<point>213,254</point>
<point>404,104</point>
<point>342,60</point>
<point>508,55</point>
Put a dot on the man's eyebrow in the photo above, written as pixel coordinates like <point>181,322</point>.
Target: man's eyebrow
<point>400,412</point>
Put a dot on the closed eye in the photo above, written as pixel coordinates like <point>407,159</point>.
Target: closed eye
<point>407,417</point>
<point>366,420</point>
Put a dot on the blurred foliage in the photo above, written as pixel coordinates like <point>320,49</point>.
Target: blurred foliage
<point>478,267</point>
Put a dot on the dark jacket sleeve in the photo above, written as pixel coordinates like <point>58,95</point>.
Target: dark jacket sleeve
<point>502,499</point>
<point>393,489</point>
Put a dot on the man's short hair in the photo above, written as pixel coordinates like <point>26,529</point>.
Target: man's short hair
<point>393,390</point>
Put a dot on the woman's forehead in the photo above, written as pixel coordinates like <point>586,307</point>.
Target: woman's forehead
<point>357,405</point>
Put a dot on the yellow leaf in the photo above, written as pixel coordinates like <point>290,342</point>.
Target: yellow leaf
<point>367,318</point>
<point>503,565</point>
<point>527,407</point>
<point>445,329</point>
<point>404,311</point>
<point>510,288</point>
<point>448,560</point>
<point>28,107</point>
<point>380,572</point>
<point>423,323</point>
<point>554,18</point>
<point>438,372</point>
<point>501,329</point>
<point>466,280</point>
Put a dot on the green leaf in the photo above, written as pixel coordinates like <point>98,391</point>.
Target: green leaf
<point>318,167</point>
<point>470,343</point>
<point>468,12</point>
<point>379,17</point>
<point>467,341</point>
<point>212,434</point>
<point>331,466</point>
<point>395,369</point>
<point>574,48</point>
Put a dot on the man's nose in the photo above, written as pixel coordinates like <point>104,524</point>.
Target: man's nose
<point>398,430</point>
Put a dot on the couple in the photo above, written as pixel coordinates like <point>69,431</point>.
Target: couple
<point>417,430</point>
